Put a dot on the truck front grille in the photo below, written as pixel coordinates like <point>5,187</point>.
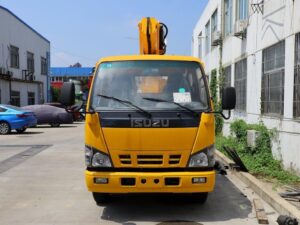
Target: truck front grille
<point>149,160</point>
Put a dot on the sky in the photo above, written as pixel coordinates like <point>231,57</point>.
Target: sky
<point>86,30</point>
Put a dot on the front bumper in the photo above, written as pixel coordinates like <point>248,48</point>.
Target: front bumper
<point>155,182</point>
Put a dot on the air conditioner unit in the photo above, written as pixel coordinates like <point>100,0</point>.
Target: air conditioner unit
<point>240,27</point>
<point>216,38</point>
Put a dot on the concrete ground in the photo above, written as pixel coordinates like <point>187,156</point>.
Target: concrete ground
<point>42,183</point>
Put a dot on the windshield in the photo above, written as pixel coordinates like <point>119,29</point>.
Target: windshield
<point>135,81</point>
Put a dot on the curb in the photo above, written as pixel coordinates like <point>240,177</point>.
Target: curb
<point>267,194</point>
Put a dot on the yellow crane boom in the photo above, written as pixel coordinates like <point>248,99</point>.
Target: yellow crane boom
<point>152,36</point>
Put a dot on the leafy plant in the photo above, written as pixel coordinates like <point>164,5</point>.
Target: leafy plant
<point>259,160</point>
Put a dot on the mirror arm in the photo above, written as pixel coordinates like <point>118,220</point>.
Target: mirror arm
<point>226,117</point>
<point>222,114</point>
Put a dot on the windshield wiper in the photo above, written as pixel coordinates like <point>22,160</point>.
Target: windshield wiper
<point>175,103</point>
<point>126,102</point>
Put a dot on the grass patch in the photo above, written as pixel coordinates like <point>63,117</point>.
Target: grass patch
<point>258,160</point>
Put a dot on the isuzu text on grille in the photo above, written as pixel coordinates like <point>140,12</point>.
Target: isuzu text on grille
<point>150,123</point>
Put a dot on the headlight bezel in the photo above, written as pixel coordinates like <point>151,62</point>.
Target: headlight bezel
<point>90,158</point>
<point>208,152</point>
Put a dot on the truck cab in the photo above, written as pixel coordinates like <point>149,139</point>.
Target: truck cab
<point>150,123</point>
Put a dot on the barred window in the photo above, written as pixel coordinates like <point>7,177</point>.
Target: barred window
<point>297,77</point>
<point>242,9</point>
<point>30,61</point>
<point>272,91</point>
<point>15,98</point>
<point>200,45</point>
<point>214,21</point>
<point>227,17</point>
<point>44,66</point>
<point>31,98</point>
<point>14,57</point>
<point>227,77</point>
<point>240,83</point>
<point>207,37</point>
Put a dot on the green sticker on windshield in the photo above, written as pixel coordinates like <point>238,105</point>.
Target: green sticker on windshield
<point>181,90</point>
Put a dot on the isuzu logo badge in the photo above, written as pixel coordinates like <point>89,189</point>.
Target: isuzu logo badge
<point>150,123</point>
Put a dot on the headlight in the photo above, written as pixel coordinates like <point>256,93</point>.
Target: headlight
<point>203,158</point>
<point>95,158</point>
<point>88,156</point>
<point>100,160</point>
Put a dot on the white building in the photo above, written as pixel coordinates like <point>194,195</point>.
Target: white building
<point>260,45</point>
<point>24,62</point>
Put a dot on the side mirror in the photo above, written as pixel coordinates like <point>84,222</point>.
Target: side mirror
<point>228,98</point>
<point>67,94</point>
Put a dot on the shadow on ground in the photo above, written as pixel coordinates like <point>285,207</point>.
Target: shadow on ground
<point>26,133</point>
<point>48,126</point>
<point>224,204</point>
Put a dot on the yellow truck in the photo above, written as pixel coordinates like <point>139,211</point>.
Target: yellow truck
<point>150,122</point>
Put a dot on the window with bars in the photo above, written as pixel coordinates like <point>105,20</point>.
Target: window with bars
<point>297,78</point>
<point>15,98</point>
<point>242,9</point>
<point>214,21</point>
<point>240,83</point>
<point>227,77</point>
<point>272,90</point>
<point>207,37</point>
<point>31,98</point>
<point>44,66</point>
<point>14,56</point>
<point>227,17</point>
<point>200,45</point>
<point>30,62</point>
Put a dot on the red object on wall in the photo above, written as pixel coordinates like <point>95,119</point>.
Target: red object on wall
<point>90,81</point>
<point>57,84</point>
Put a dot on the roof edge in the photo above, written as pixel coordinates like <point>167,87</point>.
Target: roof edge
<point>18,18</point>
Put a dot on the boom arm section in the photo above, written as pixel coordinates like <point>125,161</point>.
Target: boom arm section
<point>152,36</point>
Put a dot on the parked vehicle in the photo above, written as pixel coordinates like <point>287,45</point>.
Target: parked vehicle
<point>74,109</point>
<point>15,118</point>
<point>47,114</point>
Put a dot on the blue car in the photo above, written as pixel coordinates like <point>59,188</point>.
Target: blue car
<point>15,118</point>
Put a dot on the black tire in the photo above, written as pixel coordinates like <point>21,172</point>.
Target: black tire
<point>101,198</point>
<point>67,94</point>
<point>20,131</point>
<point>4,128</point>
<point>54,124</point>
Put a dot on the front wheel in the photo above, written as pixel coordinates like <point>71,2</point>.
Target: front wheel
<point>20,131</point>
<point>101,198</point>
<point>4,128</point>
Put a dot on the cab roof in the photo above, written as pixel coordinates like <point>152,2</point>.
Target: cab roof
<point>150,57</point>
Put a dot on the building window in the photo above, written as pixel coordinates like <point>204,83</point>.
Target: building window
<point>15,98</point>
<point>200,45</point>
<point>14,57</point>
<point>44,66</point>
<point>240,83</point>
<point>227,17</point>
<point>31,98</point>
<point>227,77</point>
<point>242,9</point>
<point>30,62</point>
<point>272,90</point>
<point>214,21</point>
<point>207,37</point>
<point>297,77</point>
